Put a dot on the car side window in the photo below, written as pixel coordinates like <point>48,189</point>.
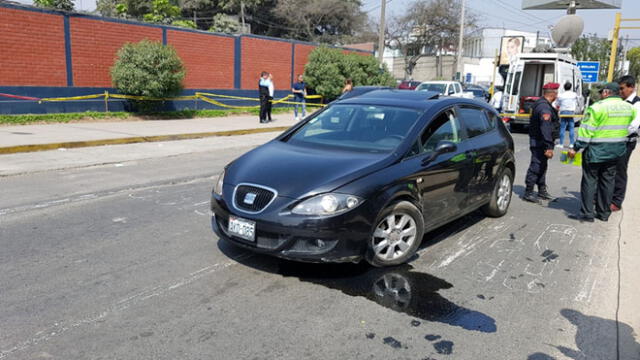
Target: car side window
<point>475,120</point>
<point>458,89</point>
<point>445,127</point>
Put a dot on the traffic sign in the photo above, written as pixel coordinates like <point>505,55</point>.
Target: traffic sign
<point>589,70</point>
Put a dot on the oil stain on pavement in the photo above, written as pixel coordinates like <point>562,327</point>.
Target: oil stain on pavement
<point>399,289</point>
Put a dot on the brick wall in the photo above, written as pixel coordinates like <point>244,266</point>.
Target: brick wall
<point>302,56</point>
<point>266,55</point>
<point>94,44</point>
<point>208,58</point>
<point>32,49</point>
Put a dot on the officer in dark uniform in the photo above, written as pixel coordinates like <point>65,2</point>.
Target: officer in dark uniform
<point>263,91</point>
<point>542,126</point>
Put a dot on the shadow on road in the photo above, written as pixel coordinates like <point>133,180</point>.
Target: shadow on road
<point>596,339</point>
<point>398,288</point>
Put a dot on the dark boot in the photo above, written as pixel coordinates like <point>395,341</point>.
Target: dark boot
<point>544,194</point>
<point>530,196</point>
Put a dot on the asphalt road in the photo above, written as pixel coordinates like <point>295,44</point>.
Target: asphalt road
<point>118,261</point>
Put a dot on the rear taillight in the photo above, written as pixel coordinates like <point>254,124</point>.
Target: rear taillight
<point>506,120</point>
<point>521,111</point>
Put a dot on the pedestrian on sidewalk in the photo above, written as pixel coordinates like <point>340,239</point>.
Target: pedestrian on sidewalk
<point>272,90</point>
<point>348,86</point>
<point>628,92</point>
<point>263,90</point>
<point>541,142</point>
<point>567,103</point>
<point>299,90</point>
<point>603,139</point>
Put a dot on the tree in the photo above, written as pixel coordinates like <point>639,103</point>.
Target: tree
<point>184,23</point>
<point>328,68</point>
<point>592,48</point>
<point>66,5</point>
<point>148,69</point>
<point>162,11</point>
<point>128,9</point>
<point>430,27</point>
<point>326,21</point>
<point>634,62</point>
<point>224,24</point>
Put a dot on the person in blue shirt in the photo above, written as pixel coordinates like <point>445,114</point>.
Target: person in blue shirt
<point>299,90</point>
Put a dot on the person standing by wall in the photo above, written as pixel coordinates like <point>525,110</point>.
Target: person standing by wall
<point>299,90</point>
<point>263,91</point>
<point>603,137</point>
<point>567,104</point>
<point>628,92</point>
<point>541,143</point>
<point>272,89</point>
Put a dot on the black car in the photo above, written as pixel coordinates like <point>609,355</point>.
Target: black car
<point>479,92</point>
<point>366,178</point>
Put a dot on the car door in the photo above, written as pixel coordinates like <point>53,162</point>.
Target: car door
<point>442,181</point>
<point>487,144</point>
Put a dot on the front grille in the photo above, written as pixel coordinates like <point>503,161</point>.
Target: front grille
<point>262,198</point>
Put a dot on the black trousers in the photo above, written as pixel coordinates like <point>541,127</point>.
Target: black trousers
<point>620,189</point>
<point>269,106</point>
<point>537,173</point>
<point>597,183</point>
<point>264,108</point>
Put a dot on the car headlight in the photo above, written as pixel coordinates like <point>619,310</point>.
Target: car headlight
<point>217,189</point>
<point>327,204</point>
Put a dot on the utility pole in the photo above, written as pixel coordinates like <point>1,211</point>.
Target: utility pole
<point>459,65</point>
<point>242,16</point>
<point>614,47</point>
<point>383,7</point>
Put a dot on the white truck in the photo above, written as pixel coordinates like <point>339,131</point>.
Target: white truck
<point>447,88</point>
<point>527,74</point>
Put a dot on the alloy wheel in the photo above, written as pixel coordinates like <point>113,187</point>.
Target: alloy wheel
<point>394,236</point>
<point>504,193</point>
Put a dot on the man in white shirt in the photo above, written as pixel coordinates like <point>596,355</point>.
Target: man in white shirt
<point>629,94</point>
<point>567,103</point>
<point>496,100</point>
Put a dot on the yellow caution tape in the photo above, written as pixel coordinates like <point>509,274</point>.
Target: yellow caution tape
<point>529,115</point>
<point>206,97</point>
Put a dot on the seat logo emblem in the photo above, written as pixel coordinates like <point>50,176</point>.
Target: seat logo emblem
<point>249,198</point>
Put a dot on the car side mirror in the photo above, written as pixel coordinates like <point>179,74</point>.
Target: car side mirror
<point>443,147</point>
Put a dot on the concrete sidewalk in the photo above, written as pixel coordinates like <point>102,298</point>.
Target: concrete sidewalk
<point>27,138</point>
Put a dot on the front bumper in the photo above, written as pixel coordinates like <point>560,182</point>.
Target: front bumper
<point>340,238</point>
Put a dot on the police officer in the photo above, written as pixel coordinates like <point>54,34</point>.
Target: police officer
<point>603,136</point>
<point>543,124</point>
<point>263,90</point>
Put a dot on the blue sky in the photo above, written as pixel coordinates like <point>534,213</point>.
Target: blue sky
<point>509,14</point>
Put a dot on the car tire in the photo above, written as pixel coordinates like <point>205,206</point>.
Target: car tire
<point>501,195</point>
<point>396,236</point>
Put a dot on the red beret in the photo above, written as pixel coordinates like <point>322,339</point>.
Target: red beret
<point>551,86</point>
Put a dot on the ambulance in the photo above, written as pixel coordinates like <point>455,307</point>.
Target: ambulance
<point>525,78</point>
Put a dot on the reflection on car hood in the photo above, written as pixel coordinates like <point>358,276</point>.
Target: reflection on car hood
<point>296,171</point>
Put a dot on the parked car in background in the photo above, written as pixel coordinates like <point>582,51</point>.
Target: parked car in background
<point>447,88</point>
<point>480,93</point>
<point>366,178</point>
<point>408,84</point>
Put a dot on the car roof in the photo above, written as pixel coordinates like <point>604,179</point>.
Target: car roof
<point>438,82</point>
<point>422,100</point>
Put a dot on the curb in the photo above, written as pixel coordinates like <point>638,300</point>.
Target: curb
<point>133,140</point>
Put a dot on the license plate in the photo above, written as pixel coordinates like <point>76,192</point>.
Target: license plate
<point>242,228</point>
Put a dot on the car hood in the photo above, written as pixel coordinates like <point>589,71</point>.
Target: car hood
<point>297,171</point>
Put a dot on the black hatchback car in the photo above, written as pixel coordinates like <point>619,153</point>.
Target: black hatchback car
<point>366,178</point>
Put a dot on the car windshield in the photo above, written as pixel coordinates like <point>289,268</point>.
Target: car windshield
<point>357,127</point>
<point>433,87</point>
<point>477,92</point>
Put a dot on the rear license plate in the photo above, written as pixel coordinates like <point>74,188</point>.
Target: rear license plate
<point>242,228</point>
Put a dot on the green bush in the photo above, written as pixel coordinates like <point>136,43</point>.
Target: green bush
<point>148,69</point>
<point>328,68</point>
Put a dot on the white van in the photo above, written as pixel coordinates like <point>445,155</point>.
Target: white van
<point>526,76</point>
